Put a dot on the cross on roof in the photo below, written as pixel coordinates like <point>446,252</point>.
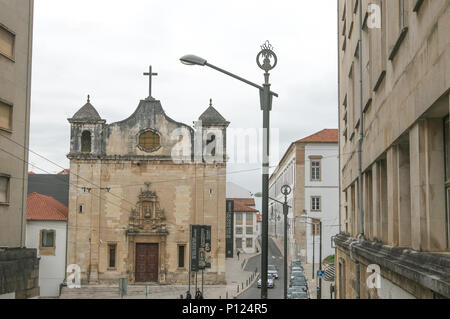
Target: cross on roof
<point>150,74</point>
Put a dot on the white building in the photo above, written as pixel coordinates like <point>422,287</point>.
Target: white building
<point>310,167</point>
<point>46,230</point>
<point>245,225</point>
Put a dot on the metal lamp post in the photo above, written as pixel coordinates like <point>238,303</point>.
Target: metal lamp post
<point>285,190</point>
<point>319,286</point>
<point>268,63</point>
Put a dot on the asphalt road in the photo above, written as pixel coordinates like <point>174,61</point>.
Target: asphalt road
<point>275,258</point>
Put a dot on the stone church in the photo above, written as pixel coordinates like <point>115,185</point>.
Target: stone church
<point>136,186</point>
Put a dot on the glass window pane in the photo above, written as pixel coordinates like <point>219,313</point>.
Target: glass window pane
<point>5,116</point>
<point>447,148</point>
<point>47,239</point>
<point>3,189</point>
<point>6,42</point>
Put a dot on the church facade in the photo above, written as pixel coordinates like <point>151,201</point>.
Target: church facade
<point>136,186</point>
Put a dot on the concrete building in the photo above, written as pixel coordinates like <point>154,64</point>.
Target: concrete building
<point>136,186</point>
<point>47,232</point>
<point>310,168</point>
<point>16,34</point>
<point>399,76</point>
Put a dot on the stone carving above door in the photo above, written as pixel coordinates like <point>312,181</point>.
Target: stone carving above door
<point>147,217</point>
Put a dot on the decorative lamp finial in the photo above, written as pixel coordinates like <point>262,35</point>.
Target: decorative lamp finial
<point>210,102</point>
<point>89,99</point>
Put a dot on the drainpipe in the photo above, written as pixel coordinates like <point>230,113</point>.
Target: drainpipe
<point>361,124</point>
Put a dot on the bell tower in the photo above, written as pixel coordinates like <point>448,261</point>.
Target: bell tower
<point>87,132</point>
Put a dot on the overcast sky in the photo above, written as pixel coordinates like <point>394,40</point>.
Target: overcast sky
<point>102,47</point>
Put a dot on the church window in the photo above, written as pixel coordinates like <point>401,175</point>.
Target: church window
<point>181,249</point>
<point>210,143</point>
<point>86,142</point>
<point>149,141</point>
<point>112,255</point>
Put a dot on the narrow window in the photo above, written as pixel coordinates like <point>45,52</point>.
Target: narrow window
<point>181,249</point>
<point>48,239</point>
<point>249,219</point>
<point>447,177</point>
<point>315,170</point>
<point>239,243</point>
<point>112,255</point>
<point>5,116</point>
<point>81,209</point>
<point>315,227</point>
<point>249,243</point>
<point>4,189</point>
<point>7,41</point>
<point>238,218</point>
<point>211,144</point>
<point>86,142</point>
<point>315,204</point>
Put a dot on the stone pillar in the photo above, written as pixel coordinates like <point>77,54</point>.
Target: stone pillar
<point>375,202</point>
<point>392,195</point>
<point>383,222</point>
<point>427,186</point>
<point>404,201</point>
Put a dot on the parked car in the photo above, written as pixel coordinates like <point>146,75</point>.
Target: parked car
<point>297,289</point>
<point>298,295</point>
<point>296,274</point>
<point>297,268</point>
<point>299,282</point>
<point>270,283</point>
<point>273,271</point>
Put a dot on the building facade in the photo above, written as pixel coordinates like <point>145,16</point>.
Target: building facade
<point>16,34</point>
<point>136,186</point>
<point>245,226</point>
<point>310,168</point>
<point>394,97</point>
<point>47,233</point>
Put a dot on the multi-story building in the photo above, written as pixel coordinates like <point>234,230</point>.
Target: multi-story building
<point>245,225</point>
<point>310,168</point>
<point>394,80</point>
<point>18,265</point>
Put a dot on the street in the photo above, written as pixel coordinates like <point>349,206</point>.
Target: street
<point>275,258</point>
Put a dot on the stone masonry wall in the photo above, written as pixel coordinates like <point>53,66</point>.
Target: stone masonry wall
<point>19,272</point>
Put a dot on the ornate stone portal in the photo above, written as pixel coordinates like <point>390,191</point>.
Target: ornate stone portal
<point>147,235</point>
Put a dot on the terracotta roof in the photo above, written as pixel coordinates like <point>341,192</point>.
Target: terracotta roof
<point>31,173</point>
<point>42,207</point>
<point>240,205</point>
<point>324,136</point>
<point>66,171</point>
<point>244,201</point>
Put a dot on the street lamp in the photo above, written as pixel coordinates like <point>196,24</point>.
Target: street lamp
<point>319,287</point>
<point>268,63</point>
